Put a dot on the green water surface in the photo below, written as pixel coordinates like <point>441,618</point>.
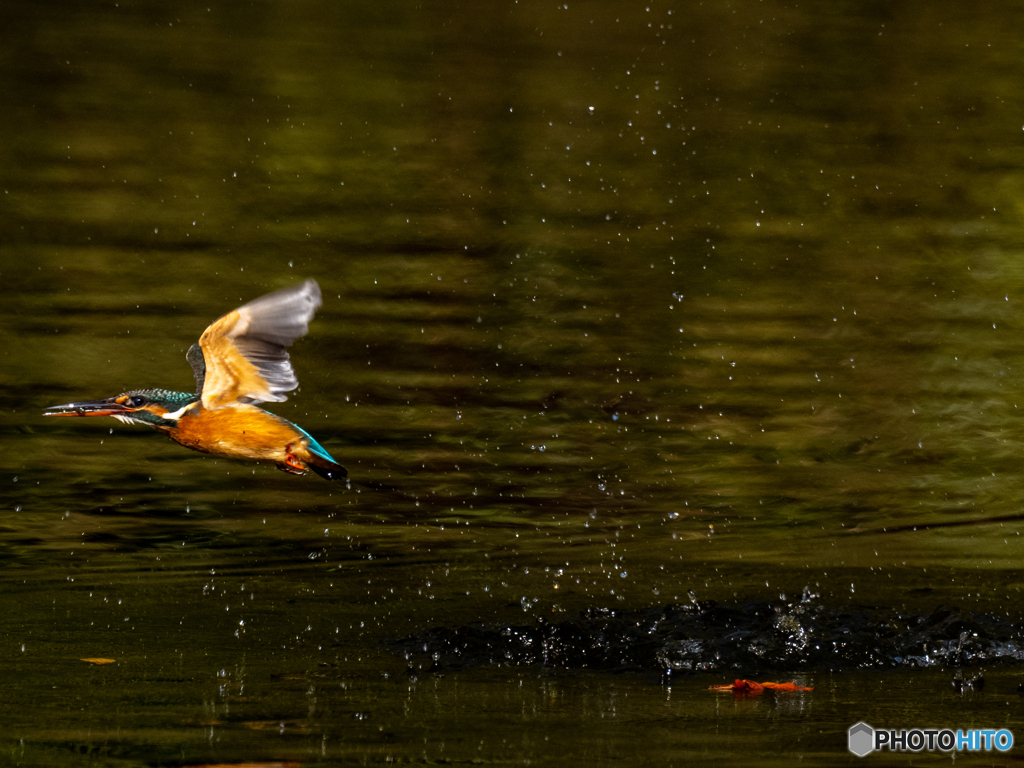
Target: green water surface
<point>624,305</point>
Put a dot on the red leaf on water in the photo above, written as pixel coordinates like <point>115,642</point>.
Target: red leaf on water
<point>786,687</point>
<point>750,687</point>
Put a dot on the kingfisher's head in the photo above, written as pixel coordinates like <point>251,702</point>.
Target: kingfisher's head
<point>159,408</point>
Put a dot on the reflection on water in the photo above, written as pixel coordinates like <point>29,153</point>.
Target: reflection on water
<point>624,308</point>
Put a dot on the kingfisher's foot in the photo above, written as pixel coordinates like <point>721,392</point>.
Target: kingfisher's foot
<point>291,464</point>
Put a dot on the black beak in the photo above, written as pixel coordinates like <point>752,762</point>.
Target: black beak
<point>106,407</point>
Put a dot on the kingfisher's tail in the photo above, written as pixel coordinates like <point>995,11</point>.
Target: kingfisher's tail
<point>319,460</point>
<point>329,470</point>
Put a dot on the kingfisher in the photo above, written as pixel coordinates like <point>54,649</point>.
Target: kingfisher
<point>239,361</point>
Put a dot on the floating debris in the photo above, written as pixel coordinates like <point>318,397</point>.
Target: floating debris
<point>750,688</point>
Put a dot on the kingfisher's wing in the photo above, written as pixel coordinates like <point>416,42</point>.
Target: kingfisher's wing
<point>244,354</point>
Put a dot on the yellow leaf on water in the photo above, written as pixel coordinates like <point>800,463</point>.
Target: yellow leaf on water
<point>99,661</point>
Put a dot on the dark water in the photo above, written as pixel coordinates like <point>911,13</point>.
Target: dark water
<point>675,340</point>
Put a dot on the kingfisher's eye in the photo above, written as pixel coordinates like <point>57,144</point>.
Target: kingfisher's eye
<point>138,401</point>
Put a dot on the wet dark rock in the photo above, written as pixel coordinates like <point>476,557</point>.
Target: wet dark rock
<point>709,636</point>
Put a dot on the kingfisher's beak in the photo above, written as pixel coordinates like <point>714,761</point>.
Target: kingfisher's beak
<point>108,407</point>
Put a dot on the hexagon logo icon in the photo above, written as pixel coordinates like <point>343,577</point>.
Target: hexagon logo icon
<point>861,739</point>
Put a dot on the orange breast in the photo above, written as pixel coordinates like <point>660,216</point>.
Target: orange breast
<point>239,431</point>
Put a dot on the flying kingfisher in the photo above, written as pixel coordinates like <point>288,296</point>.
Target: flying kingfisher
<point>240,360</point>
